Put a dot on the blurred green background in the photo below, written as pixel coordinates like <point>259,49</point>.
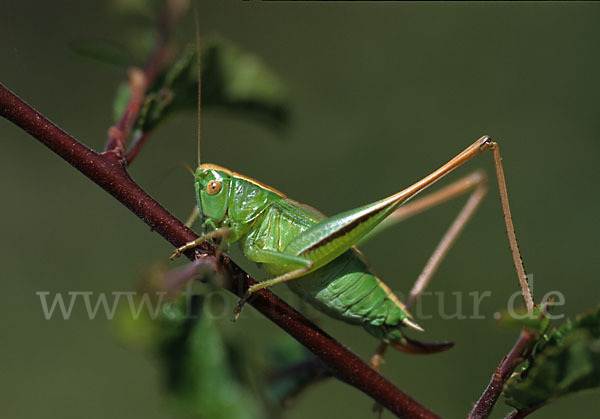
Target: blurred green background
<point>382,93</point>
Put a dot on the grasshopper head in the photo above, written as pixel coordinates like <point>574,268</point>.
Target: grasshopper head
<point>212,184</point>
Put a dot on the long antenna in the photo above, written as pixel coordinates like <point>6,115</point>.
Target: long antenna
<point>199,63</point>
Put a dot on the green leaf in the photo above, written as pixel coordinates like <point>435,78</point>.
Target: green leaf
<point>121,100</point>
<point>538,321</point>
<point>200,380</point>
<point>198,374</point>
<point>564,361</point>
<point>233,81</point>
<point>208,373</point>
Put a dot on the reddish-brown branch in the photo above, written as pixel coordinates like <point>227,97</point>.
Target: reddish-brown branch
<point>136,146</point>
<point>517,354</point>
<point>139,81</point>
<point>111,175</point>
<point>117,135</point>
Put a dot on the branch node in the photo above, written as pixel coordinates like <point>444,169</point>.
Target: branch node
<point>509,362</point>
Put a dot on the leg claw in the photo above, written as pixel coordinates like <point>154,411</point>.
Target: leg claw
<point>176,253</point>
<point>240,305</point>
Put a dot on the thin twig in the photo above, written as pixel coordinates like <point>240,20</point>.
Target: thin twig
<point>136,145</point>
<point>517,354</point>
<point>117,134</point>
<point>112,176</point>
<point>139,82</point>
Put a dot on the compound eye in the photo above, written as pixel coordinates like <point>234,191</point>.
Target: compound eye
<point>213,187</point>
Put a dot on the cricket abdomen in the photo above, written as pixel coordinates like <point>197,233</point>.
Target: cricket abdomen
<point>347,290</point>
